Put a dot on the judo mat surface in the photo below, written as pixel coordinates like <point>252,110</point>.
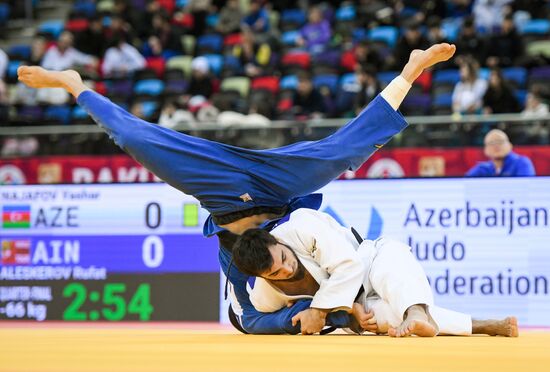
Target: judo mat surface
<point>209,347</point>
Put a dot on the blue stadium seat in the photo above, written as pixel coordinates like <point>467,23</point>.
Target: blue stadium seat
<point>385,34</point>
<point>289,82</point>
<point>443,100</point>
<point>516,75</point>
<point>521,96</point>
<point>535,26</point>
<point>181,3</point>
<point>346,13</point>
<point>11,72</point>
<point>151,87</point>
<point>60,113</point>
<point>484,73</point>
<point>85,8</point>
<point>4,13</point>
<point>348,79</point>
<point>293,17</point>
<point>53,28</point>
<point>329,81</point>
<point>31,114</point>
<point>386,77</point>
<point>289,37</point>
<point>360,34</point>
<point>450,28</point>
<point>210,43</point>
<point>20,52</point>
<point>215,61</point>
<point>212,20</point>
<point>446,76</point>
<point>232,65</point>
<point>178,86</point>
<point>148,108</point>
<point>79,113</point>
<point>417,104</point>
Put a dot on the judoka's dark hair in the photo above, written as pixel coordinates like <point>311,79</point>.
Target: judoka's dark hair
<point>251,252</point>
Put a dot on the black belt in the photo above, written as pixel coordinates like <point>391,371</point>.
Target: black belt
<point>359,240</point>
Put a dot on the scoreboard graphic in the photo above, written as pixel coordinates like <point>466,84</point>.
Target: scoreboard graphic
<point>105,252</point>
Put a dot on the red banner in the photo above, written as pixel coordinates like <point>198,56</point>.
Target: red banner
<point>400,162</point>
<point>73,169</point>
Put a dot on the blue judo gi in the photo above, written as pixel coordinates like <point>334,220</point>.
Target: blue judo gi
<point>228,179</point>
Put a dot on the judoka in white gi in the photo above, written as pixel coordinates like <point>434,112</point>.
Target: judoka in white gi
<point>310,255</point>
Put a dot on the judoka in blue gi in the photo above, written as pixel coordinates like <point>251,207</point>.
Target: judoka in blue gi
<point>242,188</point>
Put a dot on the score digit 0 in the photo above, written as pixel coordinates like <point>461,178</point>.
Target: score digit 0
<point>153,215</point>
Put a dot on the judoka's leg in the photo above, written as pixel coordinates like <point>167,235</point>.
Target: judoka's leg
<point>450,322</point>
<point>204,169</point>
<point>306,167</point>
<point>507,327</point>
<point>398,278</point>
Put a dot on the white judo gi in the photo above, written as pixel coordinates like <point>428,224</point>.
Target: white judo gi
<point>392,278</point>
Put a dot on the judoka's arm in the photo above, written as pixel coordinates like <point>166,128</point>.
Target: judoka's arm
<point>278,322</point>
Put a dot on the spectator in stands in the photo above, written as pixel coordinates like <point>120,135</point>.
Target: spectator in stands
<point>144,23</point>
<point>469,91</point>
<point>257,18</point>
<point>119,28</point>
<point>499,97</point>
<point>535,107</point>
<point>199,9</point>
<point>435,32</point>
<point>362,55</point>
<point>489,14</point>
<point>201,82</point>
<point>122,59</point>
<point>38,49</point>
<point>63,56</point>
<point>505,47</point>
<point>174,115</point>
<point>307,101</point>
<point>316,34</point>
<point>3,64</point>
<point>92,40</point>
<point>369,87</point>
<point>469,42</point>
<point>503,162</point>
<point>255,57</point>
<point>168,37</point>
<point>411,40</point>
<point>230,18</point>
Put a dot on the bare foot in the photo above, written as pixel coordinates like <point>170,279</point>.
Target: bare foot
<point>422,59</point>
<point>37,77</point>
<point>416,322</point>
<point>507,327</point>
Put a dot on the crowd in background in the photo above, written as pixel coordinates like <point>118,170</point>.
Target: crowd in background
<point>182,63</point>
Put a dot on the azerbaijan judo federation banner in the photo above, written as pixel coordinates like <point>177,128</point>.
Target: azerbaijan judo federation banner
<point>484,243</point>
<point>136,251</point>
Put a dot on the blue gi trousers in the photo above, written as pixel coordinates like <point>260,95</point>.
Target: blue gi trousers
<point>218,175</point>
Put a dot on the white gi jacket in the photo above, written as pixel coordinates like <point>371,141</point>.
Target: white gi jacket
<point>328,251</point>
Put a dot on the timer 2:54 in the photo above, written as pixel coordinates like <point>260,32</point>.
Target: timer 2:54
<point>112,300</point>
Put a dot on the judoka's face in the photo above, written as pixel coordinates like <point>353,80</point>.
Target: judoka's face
<point>286,266</point>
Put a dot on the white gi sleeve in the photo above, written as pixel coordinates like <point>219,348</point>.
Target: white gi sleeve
<point>333,252</point>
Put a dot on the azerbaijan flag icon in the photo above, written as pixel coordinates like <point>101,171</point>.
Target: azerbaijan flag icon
<point>16,216</point>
